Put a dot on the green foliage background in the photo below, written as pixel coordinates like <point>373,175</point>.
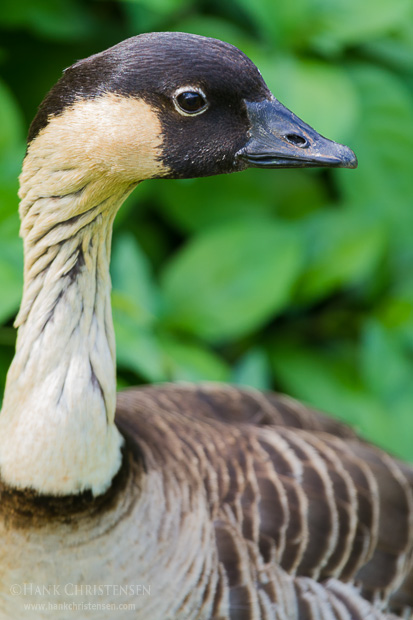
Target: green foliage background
<point>300,280</point>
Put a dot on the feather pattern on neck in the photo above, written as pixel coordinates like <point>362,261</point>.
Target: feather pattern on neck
<point>58,414</point>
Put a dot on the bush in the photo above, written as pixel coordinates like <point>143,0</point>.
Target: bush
<point>302,281</point>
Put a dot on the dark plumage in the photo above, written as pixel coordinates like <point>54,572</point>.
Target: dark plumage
<point>151,67</point>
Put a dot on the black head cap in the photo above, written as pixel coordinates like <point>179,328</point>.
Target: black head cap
<point>215,110</point>
<point>153,67</point>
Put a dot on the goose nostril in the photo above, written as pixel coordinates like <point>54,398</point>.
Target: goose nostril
<point>297,140</point>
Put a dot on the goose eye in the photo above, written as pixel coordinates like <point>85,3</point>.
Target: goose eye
<point>190,102</point>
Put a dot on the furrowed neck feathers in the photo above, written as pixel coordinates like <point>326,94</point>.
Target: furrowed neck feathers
<point>57,431</point>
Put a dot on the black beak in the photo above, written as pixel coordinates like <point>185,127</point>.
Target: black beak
<point>279,139</point>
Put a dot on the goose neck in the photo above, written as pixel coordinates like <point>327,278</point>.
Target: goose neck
<point>57,431</point>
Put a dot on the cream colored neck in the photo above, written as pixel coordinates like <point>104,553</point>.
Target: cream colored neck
<point>57,432</point>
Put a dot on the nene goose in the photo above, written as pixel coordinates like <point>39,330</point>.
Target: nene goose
<point>223,503</point>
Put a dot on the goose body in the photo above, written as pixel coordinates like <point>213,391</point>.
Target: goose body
<point>195,501</point>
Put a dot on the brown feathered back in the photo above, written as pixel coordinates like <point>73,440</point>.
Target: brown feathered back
<point>310,521</point>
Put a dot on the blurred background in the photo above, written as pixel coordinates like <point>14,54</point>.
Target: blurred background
<point>294,280</point>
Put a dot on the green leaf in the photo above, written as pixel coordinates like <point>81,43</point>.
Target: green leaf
<point>230,280</point>
<point>395,310</point>
<point>10,165</point>
<point>189,361</point>
<point>162,6</point>
<point>343,248</point>
<point>132,280</point>
<point>383,142</point>
<point>146,16</point>
<point>6,355</point>
<point>318,379</point>
<point>11,268</point>
<point>281,23</point>
<point>387,369</point>
<point>253,369</point>
<point>215,27</point>
<point>11,121</point>
<point>352,21</point>
<point>386,364</point>
<point>135,301</point>
<point>137,347</point>
<point>56,19</point>
<point>396,52</point>
<point>194,204</point>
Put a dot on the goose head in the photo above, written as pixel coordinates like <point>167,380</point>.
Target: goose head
<point>163,105</point>
<point>175,105</point>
